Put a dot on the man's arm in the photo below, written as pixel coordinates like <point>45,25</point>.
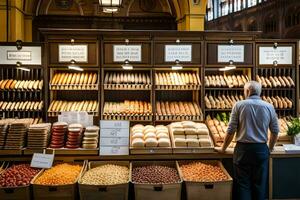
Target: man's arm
<point>274,128</point>
<point>227,141</point>
<point>232,127</point>
<point>272,142</point>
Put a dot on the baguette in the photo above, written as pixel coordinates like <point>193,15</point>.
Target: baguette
<point>106,79</point>
<point>277,81</point>
<point>26,84</point>
<point>287,83</point>
<point>269,84</point>
<point>90,79</point>
<point>35,85</point>
<point>94,80</point>
<point>8,83</point>
<point>274,83</point>
<point>30,85</point>
<point>3,84</point>
<point>54,79</point>
<point>61,79</point>
<point>21,85</point>
<point>17,85</point>
<point>13,85</point>
<point>291,81</point>
<point>41,82</point>
<point>282,83</point>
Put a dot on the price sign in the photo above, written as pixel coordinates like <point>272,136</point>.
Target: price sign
<point>133,53</point>
<point>183,53</point>
<point>79,53</point>
<point>9,55</point>
<point>40,160</point>
<point>280,55</point>
<point>227,53</point>
<point>80,117</point>
<point>114,137</point>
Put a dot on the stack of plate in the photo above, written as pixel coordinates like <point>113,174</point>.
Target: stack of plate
<point>38,135</point>
<point>90,139</point>
<point>74,136</point>
<point>59,130</point>
<point>3,132</point>
<point>17,133</point>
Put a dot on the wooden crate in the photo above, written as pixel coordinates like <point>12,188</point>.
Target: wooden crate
<point>111,192</point>
<point>157,191</point>
<point>221,190</point>
<point>56,192</point>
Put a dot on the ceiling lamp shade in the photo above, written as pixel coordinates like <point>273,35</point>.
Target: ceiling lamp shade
<point>110,3</point>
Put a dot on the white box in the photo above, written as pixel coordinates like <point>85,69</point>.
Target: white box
<point>114,141</point>
<point>114,151</point>
<point>116,132</point>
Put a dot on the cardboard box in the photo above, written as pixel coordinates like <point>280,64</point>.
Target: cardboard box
<point>157,191</point>
<point>221,190</point>
<point>111,192</point>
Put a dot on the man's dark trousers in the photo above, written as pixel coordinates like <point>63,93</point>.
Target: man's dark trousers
<point>250,168</point>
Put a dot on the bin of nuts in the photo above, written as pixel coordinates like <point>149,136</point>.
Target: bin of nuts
<point>58,182</point>
<point>205,180</point>
<point>15,182</point>
<point>155,180</point>
<point>105,180</point>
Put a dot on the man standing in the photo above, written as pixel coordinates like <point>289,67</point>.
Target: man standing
<point>250,120</point>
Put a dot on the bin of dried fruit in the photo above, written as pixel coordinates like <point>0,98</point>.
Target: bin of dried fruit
<point>205,180</point>
<point>105,180</point>
<point>58,182</point>
<point>156,180</point>
<point>15,182</point>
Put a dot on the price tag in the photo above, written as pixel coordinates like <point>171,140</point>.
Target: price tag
<point>79,53</point>
<point>80,117</point>
<point>231,52</point>
<point>280,55</point>
<point>113,124</point>
<point>116,132</point>
<point>183,53</point>
<point>9,55</point>
<point>133,53</point>
<point>40,160</point>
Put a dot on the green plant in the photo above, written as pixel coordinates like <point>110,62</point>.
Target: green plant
<point>294,127</point>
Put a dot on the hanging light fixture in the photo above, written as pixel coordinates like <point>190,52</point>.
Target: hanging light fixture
<point>73,66</point>
<point>126,65</point>
<point>110,6</point>
<point>19,67</point>
<point>177,65</point>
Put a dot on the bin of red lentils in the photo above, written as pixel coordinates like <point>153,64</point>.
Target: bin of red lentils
<point>205,180</point>
<point>156,180</point>
<point>15,182</point>
<point>105,180</point>
<point>58,183</point>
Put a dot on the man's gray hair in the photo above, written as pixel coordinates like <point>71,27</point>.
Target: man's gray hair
<point>254,87</point>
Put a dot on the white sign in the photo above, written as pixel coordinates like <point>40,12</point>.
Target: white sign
<point>114,150</point>
<point>80,117</point>
<point>40,160</point>
<point>183,53</point>
<point>112,124</point>
<point>281,55</point>
<point>79,53</point>
<point>9,55</point>
<point>114,137</point>
<point>235,53</point>
<point>132,53</point>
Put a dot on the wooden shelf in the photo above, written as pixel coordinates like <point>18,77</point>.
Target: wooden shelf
<point>216,110</point>
<point>126,87</point>
<point>145,118</point>
<point>280,89</point>
<point>170,118</point>
<point>74,87</point>
<point>177,87</point>
<point>55,114</point>
<point>223,88</point>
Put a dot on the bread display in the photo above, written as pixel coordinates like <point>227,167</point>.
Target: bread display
<point>58,134</point>
<point>283,137</point>
<point>150,136</point>
<point>275,81</point>
<point>127,108</point>
<point>21,106</point>
<point>279,102</point>
<point>74,136</point>
<point>74,81</point>
<point>225,80</point>
<point>61,106</point>
<point>183,80</point>
<point>190,134</point>
<point>127,80</point>
<point>221,101</point>
<point>26,85</point>
<point>177,108</point>
<point>218,127</point>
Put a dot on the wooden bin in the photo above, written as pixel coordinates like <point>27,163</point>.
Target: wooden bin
<point>111,192</point>
<point>221,190</point>
<point>144,191</point>
<point>16,193</point>
<point>56,192</point>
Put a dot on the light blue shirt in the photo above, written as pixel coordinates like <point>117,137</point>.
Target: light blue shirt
<point>251,119</point>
